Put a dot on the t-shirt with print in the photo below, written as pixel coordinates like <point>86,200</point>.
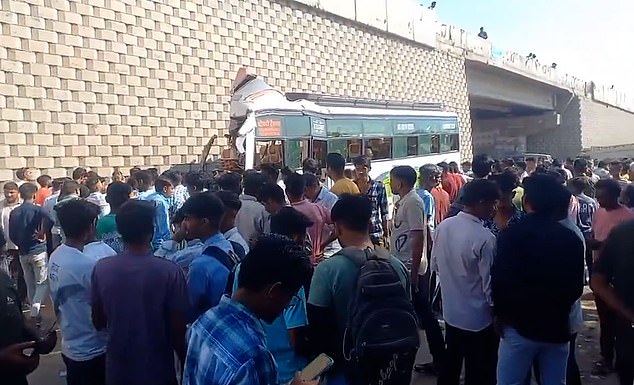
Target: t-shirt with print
<point>70,275</point>
<point>11,324</point>
<point>345,186</point>
<point>137,294</point>
<point>108,233</point>
<point>277,338</point>
<point>409,217</point>
<point>585,214</point>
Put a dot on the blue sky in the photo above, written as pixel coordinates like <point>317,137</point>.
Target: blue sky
<point>593,40</point>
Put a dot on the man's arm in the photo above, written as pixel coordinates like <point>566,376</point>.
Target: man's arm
<point>99,319</point>
<point>178,308</point>
<point>418,247</point>
<point>14,228</point>
<point>383,208</point>
<point>487,255</point>
<point>600,281</point>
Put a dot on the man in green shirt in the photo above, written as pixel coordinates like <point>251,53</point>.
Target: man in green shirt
<point>116,195</point>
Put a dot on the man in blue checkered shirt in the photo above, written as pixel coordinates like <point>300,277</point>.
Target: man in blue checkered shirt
<point>374,190</point>
<point>227,344</point>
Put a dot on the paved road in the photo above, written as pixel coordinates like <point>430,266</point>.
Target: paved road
<point>587,350</point>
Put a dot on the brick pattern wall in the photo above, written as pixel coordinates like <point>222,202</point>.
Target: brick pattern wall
<point>603,125</point>
<point>108,83</point>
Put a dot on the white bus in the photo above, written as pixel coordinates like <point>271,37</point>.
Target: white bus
<point>283,130</point>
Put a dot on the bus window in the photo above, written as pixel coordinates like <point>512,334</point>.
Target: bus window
<point>424,144</point>
<point>320,151</point>
<point>449,142</point>
<point>349,148</point>
<point>435,144</point>
<point>455,142</point>
<point>379,148</point>
<point>405,146</point>
<point>296,150</point>
<point>269,151</point>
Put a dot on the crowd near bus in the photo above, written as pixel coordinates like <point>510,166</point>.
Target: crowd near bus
<point>270,276</point>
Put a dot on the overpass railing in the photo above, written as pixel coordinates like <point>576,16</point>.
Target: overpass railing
<point>413,21</point>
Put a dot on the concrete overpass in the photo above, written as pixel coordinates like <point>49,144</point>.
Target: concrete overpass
<point>118,83</point>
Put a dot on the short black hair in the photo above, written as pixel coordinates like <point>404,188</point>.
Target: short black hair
<point>135,221</point>
<point>174,176</point>
<point>362,161</point>
<point>206,205</point>
<point>310,165</point>
<point>253,182</point>
<point>197,180</point>
<point>27,191</point>
<point>353,212</point>
<point>579,184</point>
<point>44,180</point>
<point>616,163</point>
<point>271,171</point>
<point>117,194</point>
<point>272,192</point>
<point>580,165</point>
<point>335,161</point>
<point>611,186</point>
<point>481,166</point>
<point>141,180</point>
<point>429,169</point>
<point>273,259</point>
<point>531,159</point>
<point>311,180</point>
<point>78,173</point>
<point>539,190</point>
<point>91,183</point>
<point>231,181</point>
<point>480,190</point>
<point>10,186</point>
<point>521,165</point>
<point>405,173</point>
<point>229,199</point>
<point>77,216</point>
<point>295,185</point>
<point>561,203</point>
<point>506,181</point>
<point>69,187</point>
<point>84,191</point>
<point>161,183</point>
<point>289,222</point>
<point>602,163</point>
<point>444,166</point>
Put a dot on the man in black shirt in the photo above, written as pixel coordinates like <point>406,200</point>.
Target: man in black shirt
<point>537,276</point>
<point>612,282</point>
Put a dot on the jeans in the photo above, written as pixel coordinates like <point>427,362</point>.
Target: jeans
<point>517,354</point>
<point>35,272</point>
<point>478,350</point>
<point>573,376</point>
<point>427,321</point>
<point>90,372</point>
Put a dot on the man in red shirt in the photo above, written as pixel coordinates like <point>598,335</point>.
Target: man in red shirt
<point>441,201</point>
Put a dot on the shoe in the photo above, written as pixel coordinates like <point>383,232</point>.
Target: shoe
<point>602,368</point>
<point>428,368</point>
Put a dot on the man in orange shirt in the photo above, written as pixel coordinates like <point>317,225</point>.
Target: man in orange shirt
<point>45,190</point>
<point>449,183</point>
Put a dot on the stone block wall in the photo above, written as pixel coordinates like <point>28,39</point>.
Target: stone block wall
<point>605,126</point>
<point>564,140</point>
<point>119,83</point>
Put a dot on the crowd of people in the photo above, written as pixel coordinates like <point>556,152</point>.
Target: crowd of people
<point>245,277</point>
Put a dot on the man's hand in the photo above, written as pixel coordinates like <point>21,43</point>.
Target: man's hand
<point>298,381</point>
<point>13,357</point>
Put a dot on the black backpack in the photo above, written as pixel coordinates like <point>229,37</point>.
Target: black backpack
<point>381,337</point>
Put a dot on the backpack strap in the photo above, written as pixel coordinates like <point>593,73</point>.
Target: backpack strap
<point>360,256</point>
<point>229,261</point>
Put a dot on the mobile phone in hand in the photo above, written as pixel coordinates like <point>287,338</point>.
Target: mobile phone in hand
<point>316,368</point>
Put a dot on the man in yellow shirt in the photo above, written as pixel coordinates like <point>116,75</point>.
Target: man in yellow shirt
<point>335,165</point>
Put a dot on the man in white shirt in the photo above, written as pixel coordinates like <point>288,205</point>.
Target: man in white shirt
<point>9,203</point>
<point>232,204</point>
<point>70,275</point>
<point>252,217</point>
<point>462,256</point>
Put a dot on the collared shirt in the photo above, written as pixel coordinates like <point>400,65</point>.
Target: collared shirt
<point>409,216</point>
<point>492,225</point>
<point>182,257</point>
<point>251,218</point>
<point>378,196</point>
<point>462,256</point>
<point>227,346</point>
<point>326,198</point>
<point>49,205</point>
<point>430,207</point>
<point>180,196</point>
<point>233,235</point>
<point>207,276</point>
<point>99,199</point>
<point>161,218</point>
<point>5,213</point>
